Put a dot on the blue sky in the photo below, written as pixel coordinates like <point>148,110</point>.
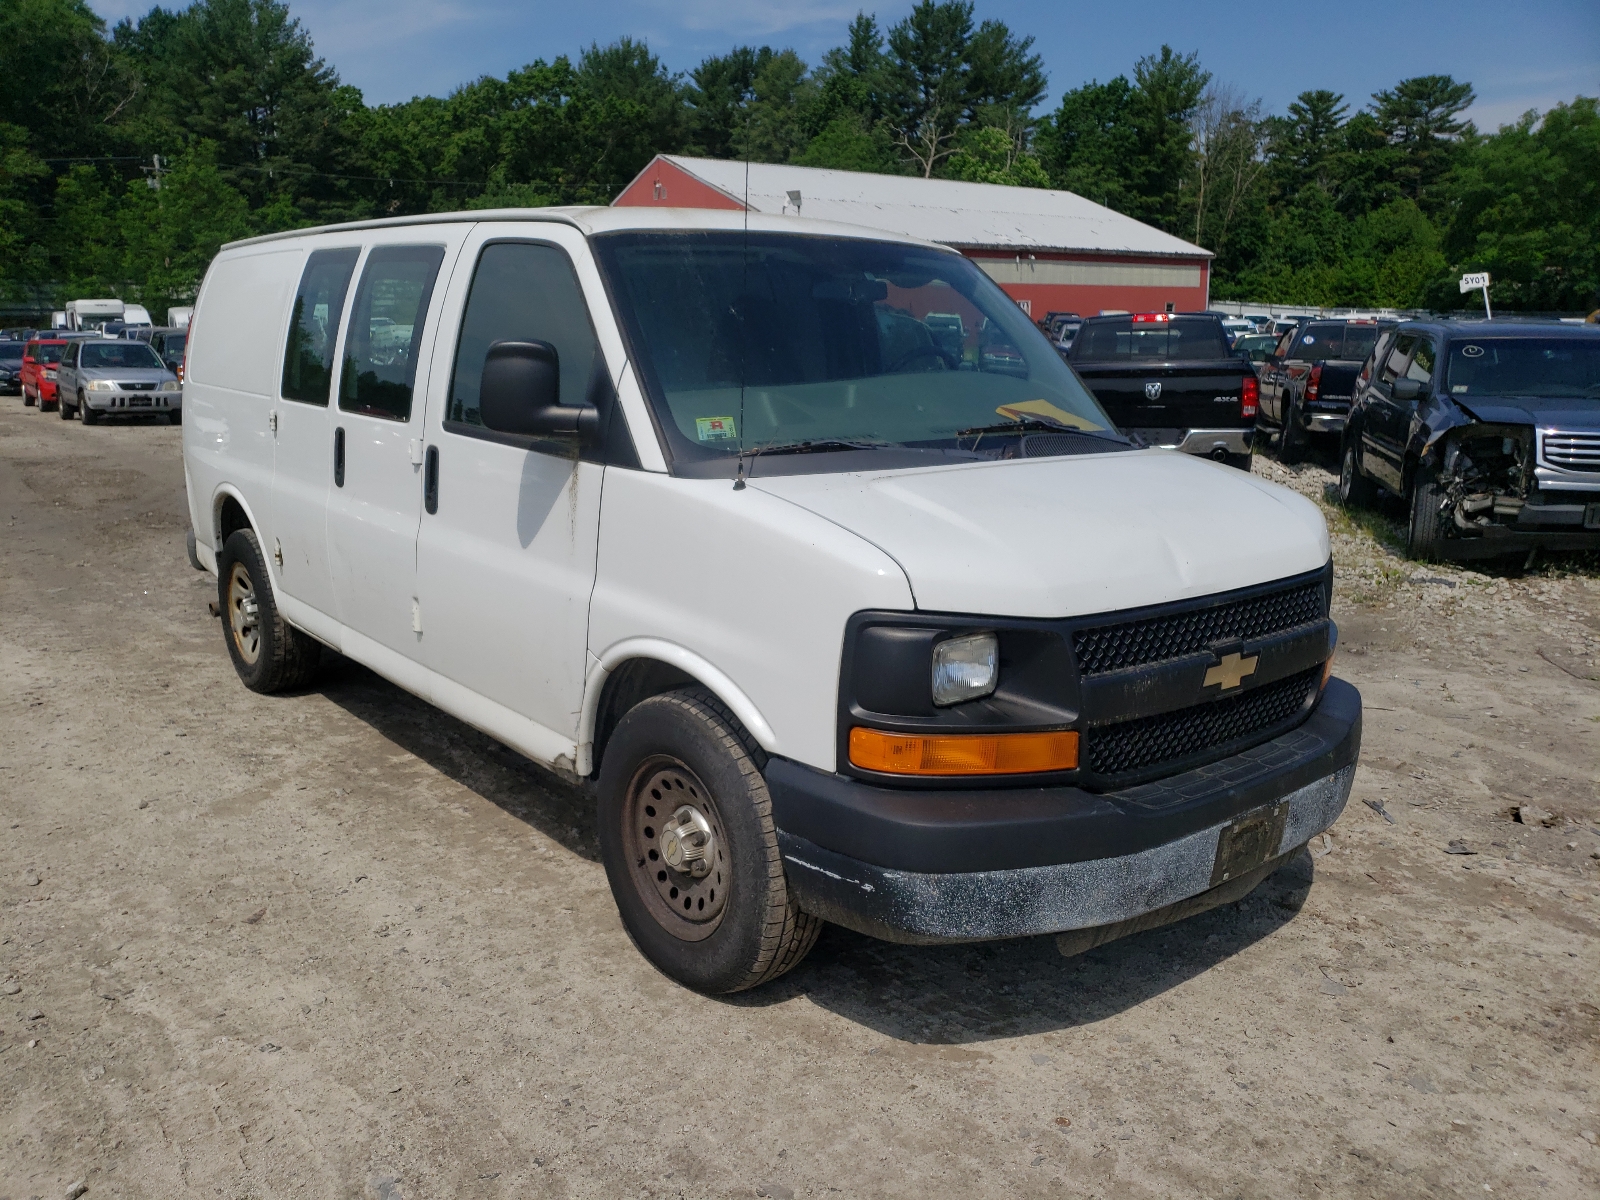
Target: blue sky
<point>1529,54</point>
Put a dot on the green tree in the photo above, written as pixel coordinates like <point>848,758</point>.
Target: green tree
<point>775,121</point>
<point>22,259</point>
<point>87,234</point>
<point>1527,210</point>
<point>173,232</point>
<point>243,75</point>
<point>988,154</point>
<point>1419,118</point>
<point>1129,145</point>
<point>1305,145</point>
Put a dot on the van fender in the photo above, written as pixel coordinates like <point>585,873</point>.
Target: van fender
<point>674,655</point>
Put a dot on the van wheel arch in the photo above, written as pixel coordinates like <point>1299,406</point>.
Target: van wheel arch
<point>230,518</point>
<point>629,684</point>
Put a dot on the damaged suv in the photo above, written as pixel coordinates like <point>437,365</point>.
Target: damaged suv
<point>1490,430</point>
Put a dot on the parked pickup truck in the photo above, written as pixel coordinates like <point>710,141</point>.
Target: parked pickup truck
<point>1307,381</point>
<point>1171,380</point>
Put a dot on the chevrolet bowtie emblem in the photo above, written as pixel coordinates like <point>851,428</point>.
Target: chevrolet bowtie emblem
<point>1231,671</point>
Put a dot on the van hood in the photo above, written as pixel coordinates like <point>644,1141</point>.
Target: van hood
<point>1070,536</point>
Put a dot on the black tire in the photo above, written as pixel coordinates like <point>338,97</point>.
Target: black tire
<point>1292,441</point>
<point>89,416</point>
<point>686,742</point>
<point>61,407</point>
<point>175,417</point>
<point>27,400</point>
<point>269,653</point>
<point>1355,489</point>
<point>1242,461</point>
<point>1426,531</point>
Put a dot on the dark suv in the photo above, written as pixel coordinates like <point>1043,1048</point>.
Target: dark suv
<point>1489,429</point>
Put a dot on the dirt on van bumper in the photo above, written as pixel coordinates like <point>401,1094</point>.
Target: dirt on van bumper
<point>337,944</point>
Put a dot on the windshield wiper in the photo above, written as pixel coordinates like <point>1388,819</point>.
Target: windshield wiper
<point>818,446</point>
<point>1036,425</point>
<point>814,446</point>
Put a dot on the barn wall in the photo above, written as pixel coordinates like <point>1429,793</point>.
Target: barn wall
<point>1086,284</point>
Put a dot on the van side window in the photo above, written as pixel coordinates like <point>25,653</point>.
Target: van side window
<point>522,292</point>
<point>1395,364</point>
<point>318,305</point>
<point>380,363</point>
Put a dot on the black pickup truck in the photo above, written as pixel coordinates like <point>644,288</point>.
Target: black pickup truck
<point>1308,379</point>
<point>1169,379</point>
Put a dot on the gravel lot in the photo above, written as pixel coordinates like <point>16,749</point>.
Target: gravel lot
<point>338,944</point>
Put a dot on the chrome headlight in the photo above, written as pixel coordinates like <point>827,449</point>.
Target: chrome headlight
<point>172,385</point>
<point>965,668</point>
<point>100,385</point>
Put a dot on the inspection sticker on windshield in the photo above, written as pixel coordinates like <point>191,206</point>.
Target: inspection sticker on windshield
<point>714,429</point>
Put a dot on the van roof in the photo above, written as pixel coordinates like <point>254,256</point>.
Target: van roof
<point>591,220</point>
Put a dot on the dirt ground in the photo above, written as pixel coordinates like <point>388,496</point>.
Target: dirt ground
<point>337,944</point>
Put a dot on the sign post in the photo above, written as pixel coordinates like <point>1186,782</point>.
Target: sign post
<point>1478,280</point>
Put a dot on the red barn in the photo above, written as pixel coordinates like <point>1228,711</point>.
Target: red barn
<point>1051,251</point>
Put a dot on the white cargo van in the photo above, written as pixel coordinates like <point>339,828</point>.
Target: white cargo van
<point>842,609</point>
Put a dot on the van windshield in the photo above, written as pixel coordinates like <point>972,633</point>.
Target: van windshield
<point>773,341</point>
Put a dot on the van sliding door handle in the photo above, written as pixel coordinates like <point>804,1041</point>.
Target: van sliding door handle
<point>430,480</point>
<point>338,457</point>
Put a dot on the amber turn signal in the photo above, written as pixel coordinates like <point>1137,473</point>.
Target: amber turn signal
<point>962,753</point>
<point>1327,674</point>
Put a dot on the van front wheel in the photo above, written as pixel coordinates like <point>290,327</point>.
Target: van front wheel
<point>689,846</point>
<point>269,653</point>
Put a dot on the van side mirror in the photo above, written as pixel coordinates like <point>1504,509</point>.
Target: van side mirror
<point>520,393</point>
<point>1406,390</point>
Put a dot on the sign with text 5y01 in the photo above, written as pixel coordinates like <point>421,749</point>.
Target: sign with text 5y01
<point>1472,282</point>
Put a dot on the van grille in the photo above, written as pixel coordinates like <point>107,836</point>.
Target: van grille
<point>1156,639</point>
<point>1170,737</point>
<point>1574,451</point>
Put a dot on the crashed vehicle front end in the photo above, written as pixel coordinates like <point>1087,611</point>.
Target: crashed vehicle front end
<point>1515,472</point>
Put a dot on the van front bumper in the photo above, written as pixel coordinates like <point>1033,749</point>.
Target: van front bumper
<point>941,866</point>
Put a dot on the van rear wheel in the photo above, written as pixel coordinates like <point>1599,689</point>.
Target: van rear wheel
<point>269,653</point>
<point>690,849</point>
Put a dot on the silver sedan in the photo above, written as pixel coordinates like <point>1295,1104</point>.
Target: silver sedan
<point>113,378</point>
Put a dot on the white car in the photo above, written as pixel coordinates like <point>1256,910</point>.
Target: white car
<point>835,618</point>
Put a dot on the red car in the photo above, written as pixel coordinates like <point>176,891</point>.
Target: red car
<point>39,360</point>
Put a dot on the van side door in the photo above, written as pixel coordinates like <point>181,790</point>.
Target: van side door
<point>507,547</point>
<point>303,461</point>
<point>385,354</point>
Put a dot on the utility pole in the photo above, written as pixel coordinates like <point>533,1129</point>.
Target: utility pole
<point>154,172</point>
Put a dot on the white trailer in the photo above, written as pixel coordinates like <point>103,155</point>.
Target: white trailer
<point>93,314</point>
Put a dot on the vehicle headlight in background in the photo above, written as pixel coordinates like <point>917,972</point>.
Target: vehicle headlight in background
<point>172,385</point>
<point>965,668</point>
<point>100,385</point>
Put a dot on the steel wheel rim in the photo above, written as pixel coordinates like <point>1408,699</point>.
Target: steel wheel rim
<point>685,902</point>
<point>244,613</point>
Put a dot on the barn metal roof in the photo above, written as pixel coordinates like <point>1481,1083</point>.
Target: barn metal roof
<point>983,215</point>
